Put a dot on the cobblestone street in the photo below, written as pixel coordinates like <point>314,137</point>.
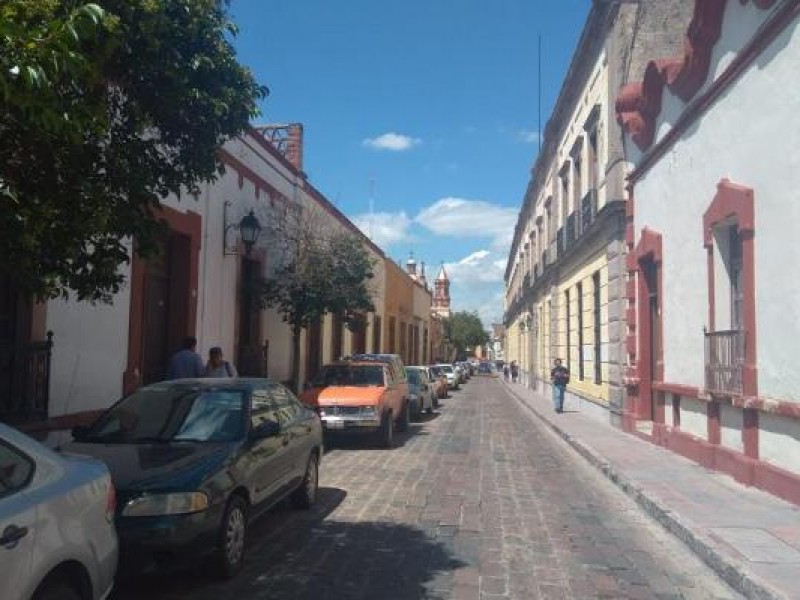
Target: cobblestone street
<point>478,501</point>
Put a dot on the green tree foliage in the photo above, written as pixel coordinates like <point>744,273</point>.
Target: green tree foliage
<point>465,330</point>
<point>106,108</point>
<point>323,271</point>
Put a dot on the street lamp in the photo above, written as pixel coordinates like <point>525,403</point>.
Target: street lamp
<point>249,229</point>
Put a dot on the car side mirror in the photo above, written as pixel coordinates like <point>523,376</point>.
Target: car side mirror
<point>265,430</point>
<point>80,431</point>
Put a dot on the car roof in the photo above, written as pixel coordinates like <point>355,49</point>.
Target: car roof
<point>231,383</point>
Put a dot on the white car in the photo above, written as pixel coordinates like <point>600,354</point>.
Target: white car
<point>452,376</point>
<point>57,537</point>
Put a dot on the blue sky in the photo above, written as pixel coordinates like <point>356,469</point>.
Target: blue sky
<point>428,106</point>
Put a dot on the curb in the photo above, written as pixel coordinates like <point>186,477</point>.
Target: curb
<point>730,571</point>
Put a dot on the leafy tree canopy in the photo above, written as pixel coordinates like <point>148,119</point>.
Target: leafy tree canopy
<point>322,271</point>
<point>465,330</point>
<point>106,108</point>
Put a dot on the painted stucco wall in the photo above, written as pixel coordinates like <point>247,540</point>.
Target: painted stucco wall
<point>779,441</point>
<point>89,353</point>
<point>694,418</point>
<point>731,425</point>
<point>672,197</point>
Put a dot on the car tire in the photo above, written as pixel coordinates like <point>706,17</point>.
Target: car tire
<point>405,417</point>
<point>306,494</point>
<point>386,431</point>
<point>56,590</point>
<point>229,555</point>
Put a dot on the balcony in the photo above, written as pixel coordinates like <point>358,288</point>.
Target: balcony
<point>571,230</point>
<point>561,241</point>
<point>725,351</point>
<point>588,209</point>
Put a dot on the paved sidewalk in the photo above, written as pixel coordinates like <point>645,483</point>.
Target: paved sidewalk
<point>750,538</point>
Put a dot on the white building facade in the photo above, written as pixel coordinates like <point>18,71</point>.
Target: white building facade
<point>713,318</point>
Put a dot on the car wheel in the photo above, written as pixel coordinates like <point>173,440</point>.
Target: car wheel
<point>386,431</point>
<point>305,495</point>
<point>57,590</point>
<point>229,555</point>
<point>405,417</point>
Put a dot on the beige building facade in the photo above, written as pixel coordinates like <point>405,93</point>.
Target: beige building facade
<point>565,275</point>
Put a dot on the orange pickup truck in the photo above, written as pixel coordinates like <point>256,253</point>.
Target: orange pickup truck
<point>368,394</point>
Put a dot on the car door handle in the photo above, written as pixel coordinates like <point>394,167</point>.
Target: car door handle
<point>11,535</point>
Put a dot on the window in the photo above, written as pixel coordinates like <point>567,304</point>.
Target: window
<point>287,408</point>
<point>392,334</point>
<point>261,408</point>
<point>579,292</point>
<point>336,337</point>
<point>16,470</point>
<point>597,346</point>
<point>594,161</point>
<point>735,274</point>
<point>376,334</point>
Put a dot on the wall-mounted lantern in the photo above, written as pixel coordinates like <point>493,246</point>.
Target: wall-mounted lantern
<point>249,228</point>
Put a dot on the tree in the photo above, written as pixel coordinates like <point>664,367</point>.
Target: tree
<point>465,330</point>
<point>106,109</point>
<point>322,269</point>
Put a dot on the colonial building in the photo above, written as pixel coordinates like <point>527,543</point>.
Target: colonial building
<point>441,294</point>
<point>711,301</point>
<point>201,285</point>
<point>565,275</point>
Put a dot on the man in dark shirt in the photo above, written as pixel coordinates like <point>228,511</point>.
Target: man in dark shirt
<point>186,363</point>
<point>560,378</point>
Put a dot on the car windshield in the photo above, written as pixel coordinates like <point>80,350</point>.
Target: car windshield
<point>169,414</point>
<point>436,371</point>
<point>350,375</point>
<point>447,369</point>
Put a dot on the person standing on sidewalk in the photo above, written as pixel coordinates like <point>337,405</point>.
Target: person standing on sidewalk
<point>186,362</point>
<point>559,375</point>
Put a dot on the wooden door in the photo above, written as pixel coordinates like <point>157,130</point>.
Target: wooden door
<point>156,322</point>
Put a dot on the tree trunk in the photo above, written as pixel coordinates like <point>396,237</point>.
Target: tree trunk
<point>298,388</point>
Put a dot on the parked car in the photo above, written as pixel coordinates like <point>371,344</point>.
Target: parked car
<point>421,391</point>
<point>452,376</point>
<point>57,537</point>
<point>441,380</point>
<point>194,461</point>
<point>363,394</point>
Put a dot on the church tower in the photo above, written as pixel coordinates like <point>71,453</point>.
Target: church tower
<point>441,294</point>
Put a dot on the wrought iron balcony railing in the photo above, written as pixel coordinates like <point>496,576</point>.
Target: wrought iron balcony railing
<point>725,352</point>
<point>588,209</point>
<point>571,230</point>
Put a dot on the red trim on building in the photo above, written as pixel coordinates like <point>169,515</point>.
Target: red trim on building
<point>190,225</point>
<point>245,172</point>
<point>631,120</point>
<point>736,202</point>
<point>676,388</point>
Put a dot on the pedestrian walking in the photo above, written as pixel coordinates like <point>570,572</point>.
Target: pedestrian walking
<point>186,362</point>
<point>217,365</point>
<point>559,375</point>
<point>505,371</point>
<point>514,371</point>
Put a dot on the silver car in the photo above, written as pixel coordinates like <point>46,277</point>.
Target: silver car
<point>57,537</point>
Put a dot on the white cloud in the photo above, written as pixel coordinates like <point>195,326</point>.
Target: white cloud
<point>527,136</point>
<point>391,141</point>
<point>458,217</point>
<point>384,228</point>
<point>477,270</point>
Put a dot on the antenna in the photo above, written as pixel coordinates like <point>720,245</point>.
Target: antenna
<point>371,204</point>
<point>541,133</point>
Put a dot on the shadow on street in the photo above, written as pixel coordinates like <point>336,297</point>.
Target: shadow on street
<point>293,555</point>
